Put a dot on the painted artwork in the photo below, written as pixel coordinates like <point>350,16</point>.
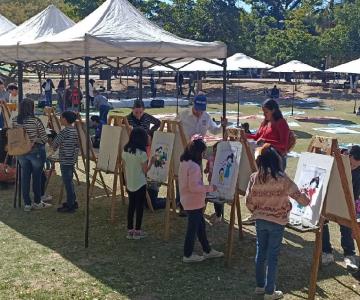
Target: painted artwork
<point>312,178</point>
<point>162,149</point>
<point>226,169</point>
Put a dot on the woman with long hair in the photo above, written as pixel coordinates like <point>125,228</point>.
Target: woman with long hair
<point>32,163</point>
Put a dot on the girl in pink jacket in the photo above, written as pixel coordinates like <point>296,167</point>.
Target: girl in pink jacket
<point>192,197</point>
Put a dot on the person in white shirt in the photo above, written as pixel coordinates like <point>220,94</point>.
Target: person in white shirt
<point>13,93</point>
<point>196,120</point>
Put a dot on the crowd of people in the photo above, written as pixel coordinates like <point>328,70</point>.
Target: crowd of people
<point>267,195</point>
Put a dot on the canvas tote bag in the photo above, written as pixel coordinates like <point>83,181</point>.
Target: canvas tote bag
<point>18,141</point>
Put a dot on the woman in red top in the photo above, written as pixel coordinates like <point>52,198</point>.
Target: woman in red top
<point>273,130</point>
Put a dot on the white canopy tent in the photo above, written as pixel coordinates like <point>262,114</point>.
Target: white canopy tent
<point>241,61</point>
<point>5,25</point>
<point>197,65</point>
<point>117,29</point>
<point>45,24</point>
<point>351,67</point>
<point>294,66</point>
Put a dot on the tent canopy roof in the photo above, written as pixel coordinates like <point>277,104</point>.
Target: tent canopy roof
<point>47,23</point>
<point>242,61</point>
<point>118,29</point>
<point>187,66</point>
<point>351,67</point>
<point>294,66</point>
<point>5,25</point>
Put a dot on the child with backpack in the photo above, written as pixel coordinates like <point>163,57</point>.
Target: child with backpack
<point>192,197</point>
<point>136,165</point>
<point>267,198</point>
<point>68,143</point>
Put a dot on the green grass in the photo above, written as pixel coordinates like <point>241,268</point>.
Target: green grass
<point>43,257</point>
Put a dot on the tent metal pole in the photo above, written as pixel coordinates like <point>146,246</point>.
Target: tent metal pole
<point>224,94</point>
<point>177,92</point>
<point>87,168</point>
<point>141,80</point>
<point>20,73</point>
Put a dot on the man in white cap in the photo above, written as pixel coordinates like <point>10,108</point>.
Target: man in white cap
<point>196,120</point>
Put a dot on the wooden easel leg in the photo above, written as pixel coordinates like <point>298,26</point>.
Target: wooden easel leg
<point>77,177</point>
<point>93,183</point>
<point>230,239</point>
<point>238,212</point>
<point>148,200</point>
<point>316,260</point>
<point>167,217</point>
<point>173,196</point>
<point>122,184</point>
<point>113,199</point>
<point>52,169</point>
<point>104,184</point>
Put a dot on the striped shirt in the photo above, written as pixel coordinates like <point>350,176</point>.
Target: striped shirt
<point>68,142</point>
<point>145,121</point>
<point>34,129</point>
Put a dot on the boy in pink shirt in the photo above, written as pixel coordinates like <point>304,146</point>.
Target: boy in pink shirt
<point>193,192</point>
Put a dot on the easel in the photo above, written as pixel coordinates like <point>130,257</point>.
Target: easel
<point>5,111</point>
<point>329,146</point>
<point>115,170</point>
<point>176,128</point>
<point>235,134</point>
<point>82,142</point>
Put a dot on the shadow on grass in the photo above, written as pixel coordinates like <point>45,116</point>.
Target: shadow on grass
<point>152,268</point>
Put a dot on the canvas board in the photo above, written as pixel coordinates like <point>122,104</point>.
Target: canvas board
<point>336,202</point>
<point>178,151</point>
<point>226,168</point>
<point>312,177</point>
<point>124,139</point>
<point>161,148</point>
<point>109,148</point>
<point>44,120</point>
<point>245,168</point>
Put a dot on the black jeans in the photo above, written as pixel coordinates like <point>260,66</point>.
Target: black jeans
<point>347,242</point>
<point>196,226</point>
<point>219,209</point>
<point>67,173</point>
<point>136,203</point>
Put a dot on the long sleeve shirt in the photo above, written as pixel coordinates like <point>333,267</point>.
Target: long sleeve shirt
<point>275,133</point>
<point>68,142</point>
<point>145,121</point>
<point>192,188</point>
<point>34,129</point>
<point>194,125</point>
<point>270,200</point>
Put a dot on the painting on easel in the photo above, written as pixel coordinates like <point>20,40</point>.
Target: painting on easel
<point>226,169</point>
<point>312,178</point>
<point>161,149</point>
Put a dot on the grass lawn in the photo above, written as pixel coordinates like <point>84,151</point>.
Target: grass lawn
<point>43,257</point>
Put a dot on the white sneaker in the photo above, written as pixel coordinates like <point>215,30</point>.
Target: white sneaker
<point>259,291</point>
<point>41,205</point>
<point>193,258</point>
<point>213,254</point>
<point>274,296</point>
<point>351,263</point>
<point>327,258</point>
<point>46,198</point>
<point>27,208</point>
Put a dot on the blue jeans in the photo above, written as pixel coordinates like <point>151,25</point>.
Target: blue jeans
<point>32,165</point>
<point>1,121</point>
<point>104,110</point>
<point>196,226</point>
<point>269,236</point>
<point>347,242</point>
<point>67,172</point>
<point>48,98</point>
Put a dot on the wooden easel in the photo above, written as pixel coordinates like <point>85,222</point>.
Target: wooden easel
<point>234,134</point>
<point>6,115</point>
<point>329,146</point>
<point>176,128</point>
<point>93,157</point>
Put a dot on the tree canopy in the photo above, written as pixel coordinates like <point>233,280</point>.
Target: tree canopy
<point>274,31</point>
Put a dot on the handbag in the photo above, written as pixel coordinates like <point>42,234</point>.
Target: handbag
<point>18,141</point>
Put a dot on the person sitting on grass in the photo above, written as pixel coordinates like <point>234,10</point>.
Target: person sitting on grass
<point>347,242</point>
<point>192,197</point>
<point>267,197</point>
<point>67,142</point>
<point>136,166</point>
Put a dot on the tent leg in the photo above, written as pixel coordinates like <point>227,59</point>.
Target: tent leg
<point>87,168</point>
<point>141,80</point>
<point>20,69</point>
<point>224,94</point>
